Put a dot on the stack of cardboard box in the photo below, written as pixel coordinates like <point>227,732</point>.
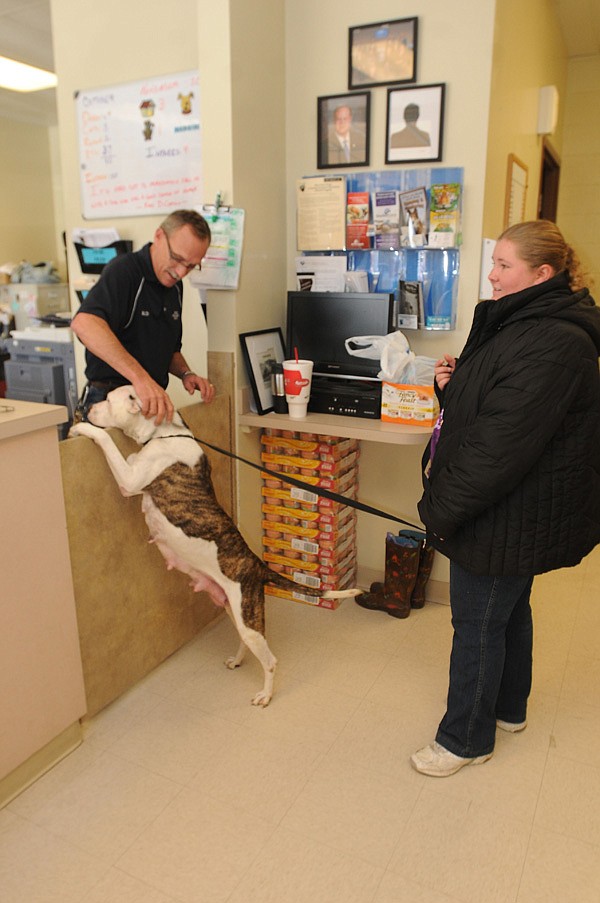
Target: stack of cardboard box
<point>309,538</point>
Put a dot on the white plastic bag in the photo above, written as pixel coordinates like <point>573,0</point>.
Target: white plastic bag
<point>370,346</point>
<point>398,363</point>
<point>397,360</point>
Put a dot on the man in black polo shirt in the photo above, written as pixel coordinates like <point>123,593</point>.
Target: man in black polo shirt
<point>130,321</point>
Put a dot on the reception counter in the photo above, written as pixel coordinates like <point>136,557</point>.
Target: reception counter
<point>41,681</point>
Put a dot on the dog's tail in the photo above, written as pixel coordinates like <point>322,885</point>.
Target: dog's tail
<point>283,582</point>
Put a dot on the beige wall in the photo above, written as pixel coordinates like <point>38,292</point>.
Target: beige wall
<point>455,47</point>
<point>525,58</point>
<point>27,223</point>
<point>91,52</point>
<point>257,81</point>
<point>238,49</point>
<point>579,195</point>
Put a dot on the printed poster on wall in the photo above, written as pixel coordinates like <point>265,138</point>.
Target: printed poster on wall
<point>140,147</point>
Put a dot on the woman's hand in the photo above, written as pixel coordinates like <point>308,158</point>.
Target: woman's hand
<point>443,370</point>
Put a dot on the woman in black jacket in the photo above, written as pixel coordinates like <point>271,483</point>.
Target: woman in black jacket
<point>512,485</point>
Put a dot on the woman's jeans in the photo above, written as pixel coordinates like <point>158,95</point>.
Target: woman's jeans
<point>491,661</point>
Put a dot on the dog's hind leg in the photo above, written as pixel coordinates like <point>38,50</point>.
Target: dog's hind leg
<point>234,661</point>
<point>259,646</point>
<point>256,643</point>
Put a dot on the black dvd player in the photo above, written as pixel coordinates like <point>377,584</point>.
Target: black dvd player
<point>348,397</point>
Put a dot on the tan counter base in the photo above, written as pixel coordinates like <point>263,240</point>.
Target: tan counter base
<point>132,612</point>
<point>41,762</point>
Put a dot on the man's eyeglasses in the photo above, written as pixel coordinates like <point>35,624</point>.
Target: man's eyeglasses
<point>179,261</point>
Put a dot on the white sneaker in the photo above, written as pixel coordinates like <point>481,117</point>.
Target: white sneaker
<point>511,726</point>
<point>438,762</point>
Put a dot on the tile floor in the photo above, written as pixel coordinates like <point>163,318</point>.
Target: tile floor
<point>182,791</point>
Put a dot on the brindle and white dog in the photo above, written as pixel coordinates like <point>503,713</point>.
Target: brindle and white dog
<point>186,522</point>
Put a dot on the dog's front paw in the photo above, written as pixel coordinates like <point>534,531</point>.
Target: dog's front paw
<point>82,429</point>
<point>263,699</point>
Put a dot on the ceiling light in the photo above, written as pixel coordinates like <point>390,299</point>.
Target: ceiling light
<point>20,77</point>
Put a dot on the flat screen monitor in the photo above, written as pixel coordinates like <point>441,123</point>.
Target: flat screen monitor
<point>318,324</point>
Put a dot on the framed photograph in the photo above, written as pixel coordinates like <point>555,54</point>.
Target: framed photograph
<point>383,53</point>
<point>414,124</point>
<point>343,130</point>
<point>261,350</point>
<point>516,191</point>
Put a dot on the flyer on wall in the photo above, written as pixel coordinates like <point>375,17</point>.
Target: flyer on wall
<point>321,206</point>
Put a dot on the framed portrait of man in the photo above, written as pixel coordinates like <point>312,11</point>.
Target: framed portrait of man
<point>415,124</point>
<point>343,130</point>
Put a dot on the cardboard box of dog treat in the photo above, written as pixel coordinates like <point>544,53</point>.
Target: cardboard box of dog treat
<point>336,484</point>
<point>409,405</point>
<point>326,514</point>
<point>299,568</point>
<point>305,500</point>
<point>326,539</point>
<point>323,439</point>
<point>305,549</point>
<point>295,594</point>
<point>309,466</point>
<point>310,573</point>
<point>326,523</point>
<point>279,445</point>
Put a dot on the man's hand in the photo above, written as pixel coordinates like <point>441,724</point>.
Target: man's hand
<point>156,404</point>
<point>193,382</point>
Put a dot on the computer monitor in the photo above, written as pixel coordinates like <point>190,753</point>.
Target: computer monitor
<point>318,324</point>
<point>93,260</point>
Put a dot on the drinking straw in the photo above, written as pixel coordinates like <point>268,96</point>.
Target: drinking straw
<point>296,353</point>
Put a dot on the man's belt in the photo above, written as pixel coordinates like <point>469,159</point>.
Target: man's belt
<point>108,384</point>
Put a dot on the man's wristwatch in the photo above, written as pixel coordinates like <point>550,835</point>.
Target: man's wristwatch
<point>187,373</point>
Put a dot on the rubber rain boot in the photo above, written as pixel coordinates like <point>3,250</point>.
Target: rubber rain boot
<point>401,568</point>
<point>402,576</point>
<point>374,598</point>
<point>417,600</point>
<point>378,587</point>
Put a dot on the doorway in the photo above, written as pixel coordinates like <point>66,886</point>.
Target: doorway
<point>549,179</point>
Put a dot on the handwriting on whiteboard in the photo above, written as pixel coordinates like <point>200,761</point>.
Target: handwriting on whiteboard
<point>140,147</point>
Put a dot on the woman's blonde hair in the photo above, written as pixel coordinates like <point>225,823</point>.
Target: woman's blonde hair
<point>541,241</point>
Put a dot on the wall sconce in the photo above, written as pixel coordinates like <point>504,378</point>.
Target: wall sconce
<point>547,110</point>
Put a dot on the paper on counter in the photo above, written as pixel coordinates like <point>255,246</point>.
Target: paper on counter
<point>326,274</point>
<point>95,238</point>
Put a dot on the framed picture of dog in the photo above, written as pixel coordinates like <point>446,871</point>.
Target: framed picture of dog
<point>382,53</point>
<point>261,350</point>
<point>415,124</point>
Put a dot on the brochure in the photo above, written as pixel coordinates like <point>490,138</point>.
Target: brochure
<point>413,230</point>
<point>444,217</point>
<point>357,221</point>
<point>386,217</point>
<point>410,305</point>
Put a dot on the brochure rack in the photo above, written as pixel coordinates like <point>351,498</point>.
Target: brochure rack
<point>431,260</point>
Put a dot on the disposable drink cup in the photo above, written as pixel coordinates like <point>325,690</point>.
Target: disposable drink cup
<point>297,376</point>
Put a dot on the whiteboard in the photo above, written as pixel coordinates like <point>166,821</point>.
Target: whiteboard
<point>140,147</point>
